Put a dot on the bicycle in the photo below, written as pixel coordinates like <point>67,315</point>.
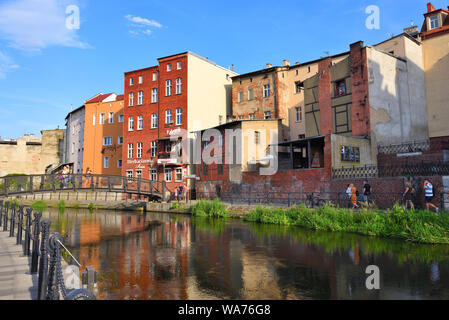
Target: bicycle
<point>313,201</point>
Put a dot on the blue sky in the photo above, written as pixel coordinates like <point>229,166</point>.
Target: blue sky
<point>45,67</point>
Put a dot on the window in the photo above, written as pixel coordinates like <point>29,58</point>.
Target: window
<point>107,141</point>
<point>178,116</point>
<point>178,177</point>
<point>131,124</point>
<point>154,121</point>
<point>130,151</point>
<point>140,98</point>
<point>220,141</point>
<point>256,137</point>
<point>168,87</point>
<point>140,123</point>
<point>102,117</point>
<point>168,174</point>
<point>94,118</point>
<point>154,95</point>
<point>179,86</point>
<point>350,154</point>
<point>106,162</point>
<point>153,174</point>
<point>119,163</point>
<point>298,114</point>
<point>73,147</point>
<point>298,86</point>
<point>154,76</point>
<point>168,117</point>
<point>169,67</point>
<point>129,174</point>
<point>121,118</point>
<point>250,94</point>
<point>153,149</point>
<point>139,174</point>
<point>340,88</point>
<point>434,22</point>
<point>131,99</point>
<point>131,81</point>
<point>120,140</point>
<point>252,116</point>
<point>168,147</point>
<point>139,149</point>
<point>179,65</point>
<point>240,96</point>
<point>308,69</point>
<point>266,91</point>
<point>140,79</point>
<point>111,117</point>
<point>267,115</point>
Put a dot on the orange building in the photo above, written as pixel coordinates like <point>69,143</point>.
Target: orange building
<point>103,134</point>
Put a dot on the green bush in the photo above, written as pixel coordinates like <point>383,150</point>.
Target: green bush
<point>39,206</point>
<point>207,208</point>
<point>414,226</point>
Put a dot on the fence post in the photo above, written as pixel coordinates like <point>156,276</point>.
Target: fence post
<point>6,187</point>
<point>12,224</point>
<point>43,263</point>
<point>26,244</point>
<point>20,225</point>
<point>31,185</point>
<point>5,217</point>
<point>164,186</point>
<point>89,278</point>
<point>35,253</point>
<point>1,212</point>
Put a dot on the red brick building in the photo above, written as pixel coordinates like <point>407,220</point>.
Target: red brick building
<point>163,103</point>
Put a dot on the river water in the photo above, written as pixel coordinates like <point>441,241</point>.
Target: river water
<point>163,256</point>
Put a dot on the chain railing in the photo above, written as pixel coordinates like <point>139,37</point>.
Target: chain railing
<point>45,252</point>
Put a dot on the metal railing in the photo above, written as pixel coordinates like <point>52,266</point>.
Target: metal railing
<point>45,253</point>
<point>408,147</point>
<point>30,184</point>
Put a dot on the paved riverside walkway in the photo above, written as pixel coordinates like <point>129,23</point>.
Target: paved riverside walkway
<point>16,282</point>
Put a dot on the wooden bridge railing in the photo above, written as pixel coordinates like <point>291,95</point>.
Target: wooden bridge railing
<point>30,184</point>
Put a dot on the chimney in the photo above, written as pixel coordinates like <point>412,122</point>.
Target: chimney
<point>412,31</point>
<point>269,65</point>
<point>286,63</point>
<point>430,7</point>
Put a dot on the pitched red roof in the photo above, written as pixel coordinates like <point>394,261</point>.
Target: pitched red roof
<point>99,98</point>
<point>120,97</point>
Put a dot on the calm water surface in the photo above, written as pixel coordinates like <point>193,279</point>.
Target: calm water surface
<point>164,256</point>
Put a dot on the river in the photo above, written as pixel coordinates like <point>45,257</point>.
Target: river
<point>165,256</point>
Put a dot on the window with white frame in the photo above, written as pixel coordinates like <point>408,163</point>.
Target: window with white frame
<point>153,121</point>
<point>267,115</point>
<point>168,87</point>
<point>140,123</point>
<point>168,117</point>
<point>250,94</point>
<point>179,65</point>
<point>169,67</point>
<point>139,174</point>
<point>240,96</point>
<point>120,140</point>
<point>131,81</point>
<point>106,162</point>
<point>119,163</point>
<point>130,150</point>
<point>140,79</point>
<point>107,141</point>
<point>111,117</point>
<point>179,86</point>
<point>179,116</point>
<point>139,150</point>
<point>94,119</point>
<point>131,99</point>
<point>434,22</point>
<point>266,91</point>
<point>129,175</point>
<point>178,175</point>
<point>131,124</point>
<point>298,112</point>
<point>140,98</point>
<point>154,76</point>
<point>153,149</point>
<point>153,174</point>
<point>121,118</point>
<point>168,174</point>
<point>154,95</point>
<point>102,117</point>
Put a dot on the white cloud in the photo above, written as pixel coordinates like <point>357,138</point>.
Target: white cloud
<point>143,21</point>
<point>36,24</point>
<point>6,65</point>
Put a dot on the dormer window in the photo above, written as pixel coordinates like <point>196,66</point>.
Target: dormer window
<point>434,22</point>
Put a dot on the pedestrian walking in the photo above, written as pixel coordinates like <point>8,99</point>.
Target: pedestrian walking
<point>367,192</point>
<point>176,194</point>
<point>429,194</point>
<point>408,195</point>
<point>353,196</point>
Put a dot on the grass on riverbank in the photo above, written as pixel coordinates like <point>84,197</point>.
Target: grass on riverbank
<point>212,209</point>
<point>414,226</point>
<point>40,206</point>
